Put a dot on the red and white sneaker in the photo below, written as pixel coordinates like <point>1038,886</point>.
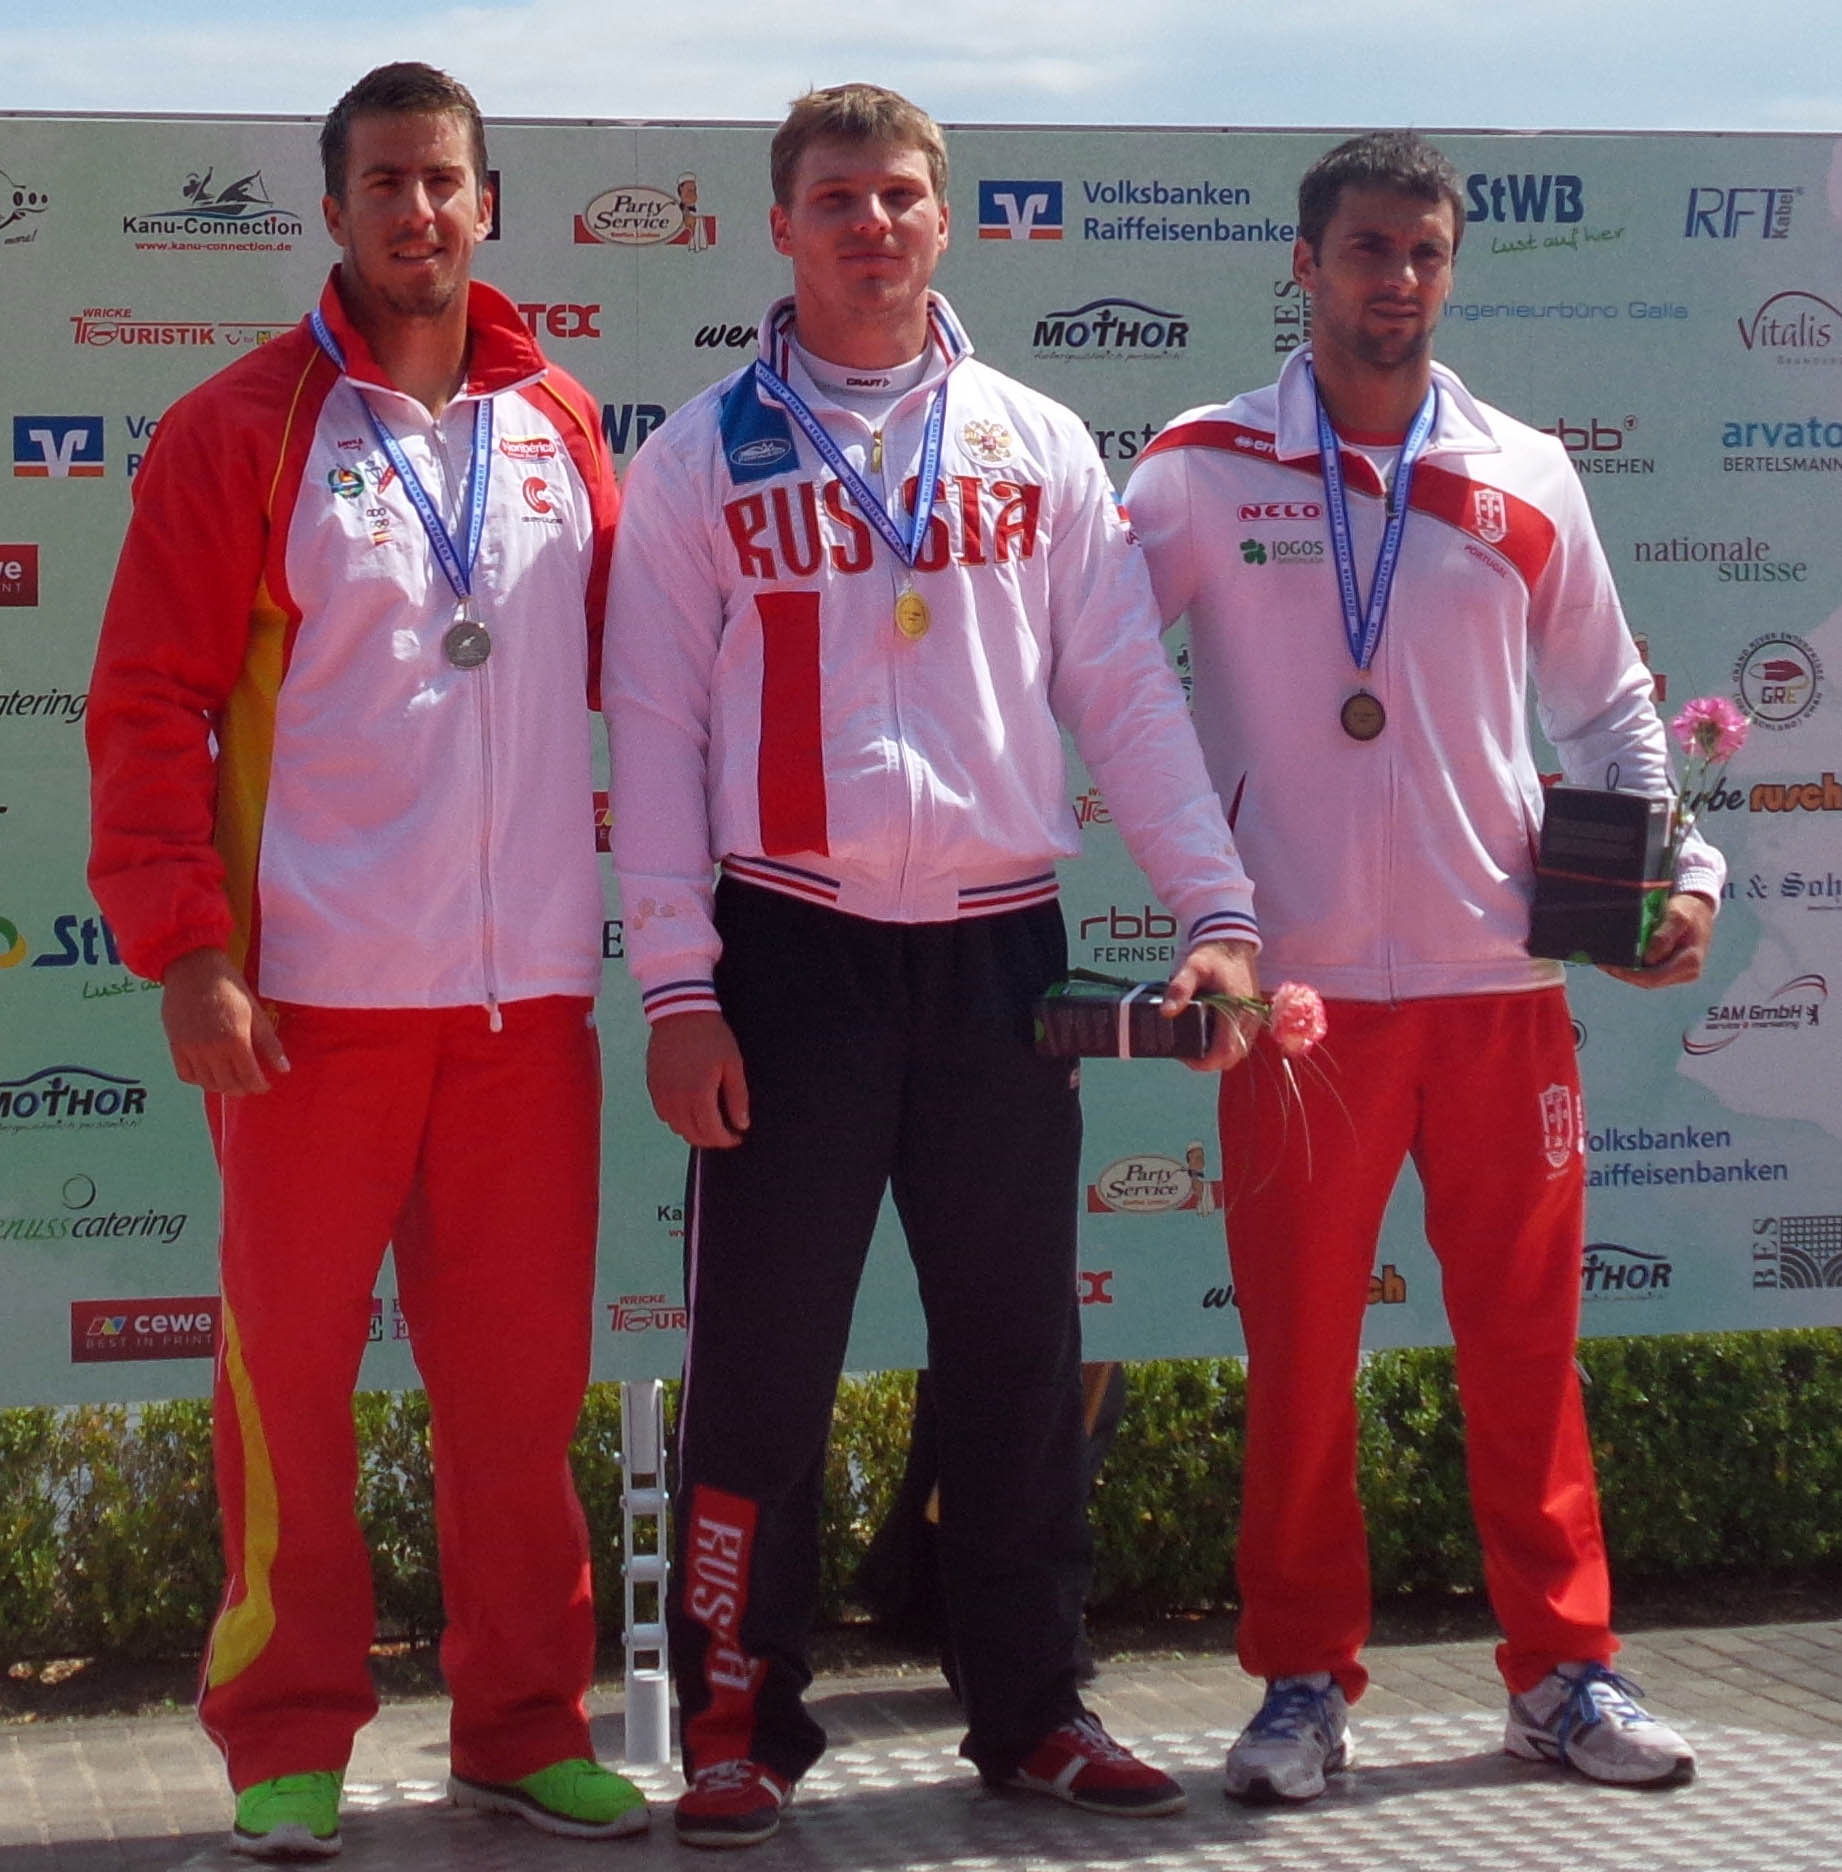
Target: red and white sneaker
<point>1081,1764</point>
<point>731,1803</point>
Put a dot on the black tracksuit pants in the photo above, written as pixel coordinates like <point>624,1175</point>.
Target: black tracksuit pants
<point>898,1056</point>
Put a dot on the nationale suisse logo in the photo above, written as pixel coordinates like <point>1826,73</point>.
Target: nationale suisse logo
<point>1489,515</point>
<point>1020,211</point>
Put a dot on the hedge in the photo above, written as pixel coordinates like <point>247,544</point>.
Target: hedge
<point>1717,1453</point>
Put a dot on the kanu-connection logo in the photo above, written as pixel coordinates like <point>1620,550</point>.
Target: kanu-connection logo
<point>235,216</point>
<point>109,1331</point>
<point>1793,1007</point>
<point>1612,1271</point>
<point>638,214</point>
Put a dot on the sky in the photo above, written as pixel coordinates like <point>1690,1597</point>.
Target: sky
<point>1440,64</point>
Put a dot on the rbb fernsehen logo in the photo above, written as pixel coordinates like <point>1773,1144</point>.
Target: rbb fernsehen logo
<point>57,448</point>
<point>1020,211</point>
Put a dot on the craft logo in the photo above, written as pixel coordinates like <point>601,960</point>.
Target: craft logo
<point>1797,1251</point>
<point>1612,1271</point>
<point>1778,681</point>
<point>1141,934</point>
<point>60,448</point>
<point>1792,1008</point>
<point>71,1098</point>
<point>627,425</point>
<point>1020,211</point>
<point>117,325</point>
<point>1113,329</point>
<point>83,1221</point>
<point>1128,193</point>
<point>1281,510</point>
<point>106,1332</point>
<point>1148,1184</point>
<point>1282,552</point>
<point>635,214</point>
<point>18,576</point>
<point>1795,327</point>
<point>1524,198</point>
<point>1387,1287</point>
<point>1563,1134</point>
<point>560,321</point>
<point>1291,316</point>
<point>20,208</point>
<point>1595,446</point>
<point>638,1313</point>
<point>213,216</point>
<point>1739,213</point>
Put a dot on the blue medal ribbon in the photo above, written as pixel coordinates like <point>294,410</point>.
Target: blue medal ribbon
<point>459,570</point>
<point>906,547</point>
<point>1363,627</point>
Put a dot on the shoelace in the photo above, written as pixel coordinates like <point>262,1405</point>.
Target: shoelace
<point>737,1772</point>
<point>1094,1742</point>
<point>1583,1708</point>
<point>1289,1710</point>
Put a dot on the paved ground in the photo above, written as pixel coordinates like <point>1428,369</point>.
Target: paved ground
<point>1431,1788</point>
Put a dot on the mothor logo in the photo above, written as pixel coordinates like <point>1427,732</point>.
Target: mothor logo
<point>1800,327</point>
<point>57,448</point>
<point>104,1332</point>
<point>1557,198</point>
<point>1111,328</point>
<point>60,1098</point>
<point>1778,681</point>
<point>636,214</point>
<point>1020,211</point>
<point>1611,1271</point>
<point>18,575</point>
<point>1797,1251</point>
<point>1797,1005</point>
<point>1739,213</point>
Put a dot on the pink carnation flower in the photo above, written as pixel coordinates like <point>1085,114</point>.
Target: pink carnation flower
<point>1710,728</point>
<point>1297,1018</point>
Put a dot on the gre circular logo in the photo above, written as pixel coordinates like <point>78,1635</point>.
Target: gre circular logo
<point>12,945</point>
<point>1778,681</point>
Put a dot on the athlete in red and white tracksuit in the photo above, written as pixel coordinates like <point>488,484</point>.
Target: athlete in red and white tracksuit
<point>887,811</point>
<point>1395,876</point>
<point>399,856</point>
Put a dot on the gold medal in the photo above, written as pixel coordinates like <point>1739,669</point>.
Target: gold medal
<point>1363,716</point>
<point>912,617</point>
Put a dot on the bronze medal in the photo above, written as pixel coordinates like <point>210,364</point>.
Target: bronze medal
<point>912,617</point>
<point>467,643</point>
<point>1363,716</point>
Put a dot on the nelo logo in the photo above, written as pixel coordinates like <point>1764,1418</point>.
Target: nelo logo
<point>1557,198</point>
<point>560,321</point>
<point>18,575</point>
<point>1778,681</point>
<point>110,1331</point>
<point>1281,510</point>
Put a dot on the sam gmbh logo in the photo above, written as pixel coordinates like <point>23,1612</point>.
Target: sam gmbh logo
<point>1020,211</point>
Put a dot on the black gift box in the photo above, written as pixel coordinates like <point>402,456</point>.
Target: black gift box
<point>1599,882</point>
<point>1112,1020</point>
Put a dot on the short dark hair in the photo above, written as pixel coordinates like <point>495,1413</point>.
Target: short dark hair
<point>854,113</point>
<point>406,89</point>
<point>1400,160</point>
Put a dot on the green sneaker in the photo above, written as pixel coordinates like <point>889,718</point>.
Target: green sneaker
<point>578,1799</point>
<point>292,1817</point>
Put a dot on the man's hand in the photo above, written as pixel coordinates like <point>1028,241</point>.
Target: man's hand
<point>1678,945</point>
<point>1225,968</point>
<point>694,1073</point>
<point>220,1037</point>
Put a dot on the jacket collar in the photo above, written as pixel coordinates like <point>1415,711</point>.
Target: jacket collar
<point>1459,428</point>
<point>946,336</point>
<point>501,353</point>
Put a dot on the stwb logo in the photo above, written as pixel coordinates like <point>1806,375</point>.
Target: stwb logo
<point>1557,198</point>
<point>1020,211</point>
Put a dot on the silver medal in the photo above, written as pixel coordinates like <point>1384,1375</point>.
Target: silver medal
<point>467,643</point>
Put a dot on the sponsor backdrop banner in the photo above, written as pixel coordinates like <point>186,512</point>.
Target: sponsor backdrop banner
<point>1669,306</point>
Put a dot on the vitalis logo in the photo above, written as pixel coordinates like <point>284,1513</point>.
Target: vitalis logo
<point>20,207</point>
<point>216,216</point>
<point>1149,1184</point>
<point>1778,680</point>
<point>1111,328</point>
<point>1611,1271</point>
<point>71,1098</point>
<point>636,214</point>
<point>104,1331</point>
<point>1797,327</point>
<point>1797,1251</point>
<point>1790,1008</point>
<point>1020,211</point>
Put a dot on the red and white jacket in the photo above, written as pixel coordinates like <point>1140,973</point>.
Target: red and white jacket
<point>764,710</point>
<point>284,763</point>
<point>1402,866</point>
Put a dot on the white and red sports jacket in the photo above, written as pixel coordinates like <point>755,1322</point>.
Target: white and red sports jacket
<point>1402,866</point>
<point>284,763</point>
<point>765,712</point>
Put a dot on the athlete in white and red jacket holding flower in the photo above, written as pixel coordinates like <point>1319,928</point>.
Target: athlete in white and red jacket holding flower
<point>1376,568</point>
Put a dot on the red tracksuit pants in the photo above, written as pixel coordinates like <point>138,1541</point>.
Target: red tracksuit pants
<point>1483,1092</point>
<point>476,1153</point>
